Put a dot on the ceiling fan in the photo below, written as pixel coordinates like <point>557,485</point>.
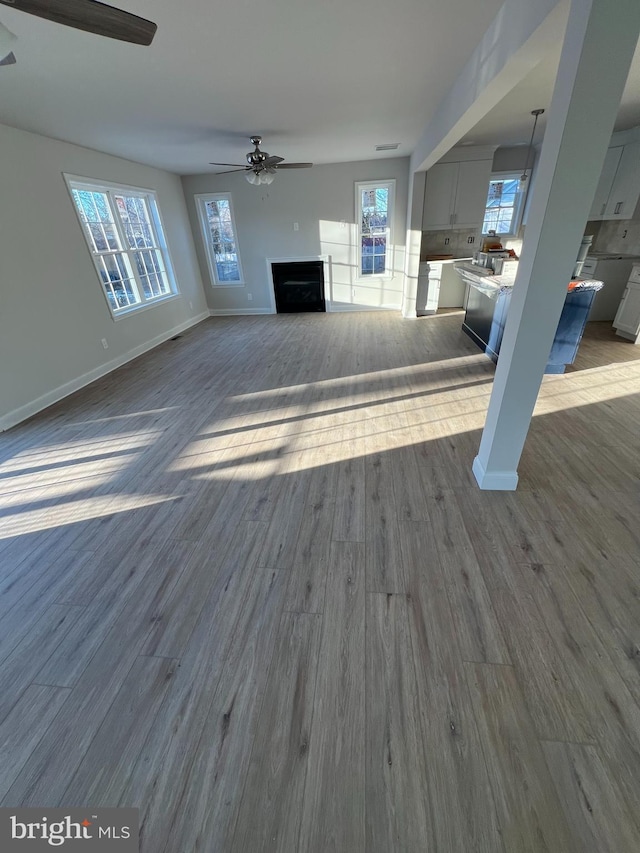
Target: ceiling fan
<point>261,167</point>
<point>88,15</point>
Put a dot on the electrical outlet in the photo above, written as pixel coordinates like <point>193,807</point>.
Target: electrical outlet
<point>105,345</point>
<point>250,297</point>
<point>296,227</point>
<point>471,239</point>
<point>446,241</point>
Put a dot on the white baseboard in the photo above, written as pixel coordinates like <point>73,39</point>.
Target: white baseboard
<point>231,312</point>
<point>498,481</point>
<point>331,309</point>
<point>336,308</point>
<point>45,400</point>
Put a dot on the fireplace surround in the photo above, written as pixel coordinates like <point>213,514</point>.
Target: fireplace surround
<point>298,285</point>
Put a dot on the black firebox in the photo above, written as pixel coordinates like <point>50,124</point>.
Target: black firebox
<point>299,286</point>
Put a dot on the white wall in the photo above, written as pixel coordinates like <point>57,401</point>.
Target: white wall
<point>512,158</point>
<point>510,48</point>
<point>322,201</point>
<point>52,311</point>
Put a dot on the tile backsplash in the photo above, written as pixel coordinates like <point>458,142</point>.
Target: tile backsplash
<point>435,243</point>
<point>610,236</point>
<point>616,236</point>
<point>458,245</point>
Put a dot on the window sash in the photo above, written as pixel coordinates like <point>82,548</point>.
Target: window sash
<point>222,250</point>
<point>374,243</point>
<point>502,213</point>
<point>135,270</point>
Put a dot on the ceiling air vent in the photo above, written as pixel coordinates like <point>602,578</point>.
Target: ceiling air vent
<point>389,146</point>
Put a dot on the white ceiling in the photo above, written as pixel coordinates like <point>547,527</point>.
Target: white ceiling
<point>510,122</point>
<point>321,81</point>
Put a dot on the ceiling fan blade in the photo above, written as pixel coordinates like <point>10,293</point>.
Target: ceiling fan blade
<point>239,165</point>
<point>272,161</point>
<point>10,59</point>
<point>90,16</point>
<point>294,166</point>
<point>229,171</point>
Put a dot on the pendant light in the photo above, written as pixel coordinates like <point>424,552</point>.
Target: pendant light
<point>524,177</point>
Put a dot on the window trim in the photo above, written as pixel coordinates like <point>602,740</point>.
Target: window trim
<point>359,187</point>
<point>201,200</point>
<point>516,221</point>
<point>110,188</point>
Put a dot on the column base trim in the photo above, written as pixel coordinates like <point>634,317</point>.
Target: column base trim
<point>499,481</point>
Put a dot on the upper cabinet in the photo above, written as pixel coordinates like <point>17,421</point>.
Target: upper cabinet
<point>618,189</point>
<point>603,191</point>
<point>625,191</point>
<point>455,194</point>
<point>471,194</point>
<point>439,196</point>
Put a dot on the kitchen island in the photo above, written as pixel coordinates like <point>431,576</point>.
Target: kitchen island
<point>487,306</point>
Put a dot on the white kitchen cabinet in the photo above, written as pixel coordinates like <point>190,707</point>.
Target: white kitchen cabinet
<point>439,286</point>
<point>456,194</point>
<point>627,320</point>
<point>439,196</point>
<point>635,274</point>
<point>471,193</point>
<point>625,191</point>
<point>603,191</point>
<point>429,275</point>
<point>618,189</point>
<point>615,273</point>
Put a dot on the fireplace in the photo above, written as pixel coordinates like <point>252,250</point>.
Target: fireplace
<point>298,286</point>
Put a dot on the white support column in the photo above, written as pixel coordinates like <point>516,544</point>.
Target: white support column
<point>415,204</point>
<point>599,44</point>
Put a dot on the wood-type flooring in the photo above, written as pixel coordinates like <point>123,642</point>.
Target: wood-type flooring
<point>249,586</point>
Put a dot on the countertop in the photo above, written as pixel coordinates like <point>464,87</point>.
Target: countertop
<point>612,256</point>
<point>483,279</point>
<point>443,259</point>
<point>492,285</point>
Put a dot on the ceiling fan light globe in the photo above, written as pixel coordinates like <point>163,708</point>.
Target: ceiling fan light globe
<point>267,177</point>
<point>252,178</point>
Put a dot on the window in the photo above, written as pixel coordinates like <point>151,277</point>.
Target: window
<point>219,234</point>
<point>124,234</point>
<point>374,214</point>
<point>504,203</point>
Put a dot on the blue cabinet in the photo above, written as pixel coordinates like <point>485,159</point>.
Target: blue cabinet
<point>486,316</point>
<point>570,330</point>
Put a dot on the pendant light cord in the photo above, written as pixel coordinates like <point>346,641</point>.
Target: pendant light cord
<point>537,113</point>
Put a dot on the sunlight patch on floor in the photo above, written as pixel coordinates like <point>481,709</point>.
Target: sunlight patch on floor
<point>128,415</point>
<point>56,481</point>
<point>74,512</point>
<point>73,450</point>
<point>401,374</point>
